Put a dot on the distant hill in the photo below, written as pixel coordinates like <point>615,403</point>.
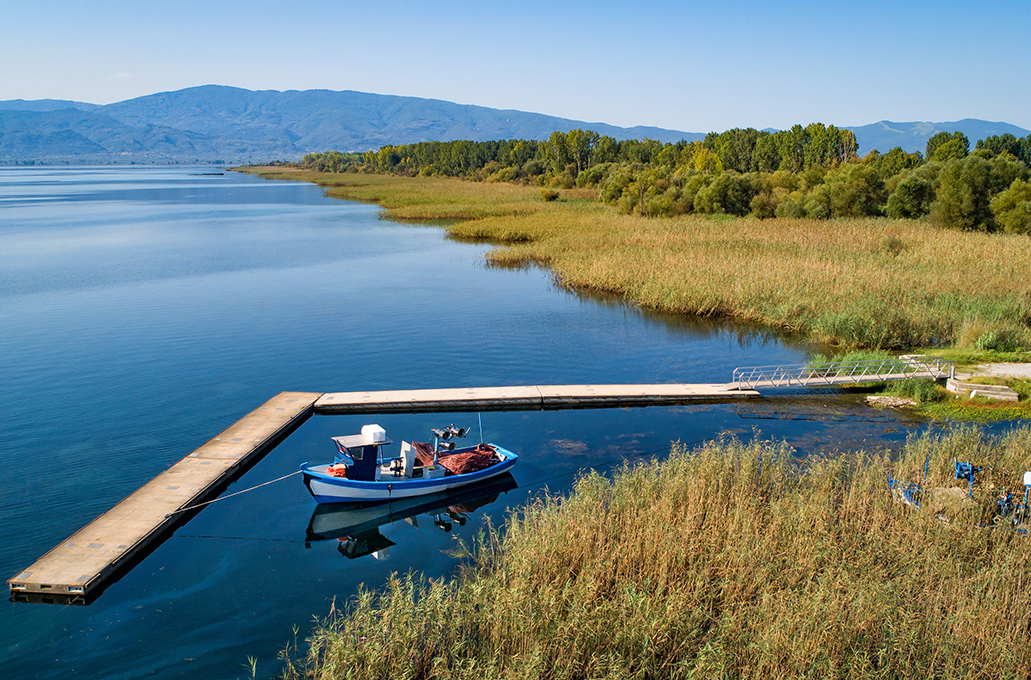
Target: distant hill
<point>45,105</point>
<point>232,125</point>
<point>221,124</point>
<point>71,135</point>
<point>886,134</point>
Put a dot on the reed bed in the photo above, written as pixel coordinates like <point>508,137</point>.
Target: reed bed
<point>834,281</point>
<point>732,560</point>
<point>865,283</point>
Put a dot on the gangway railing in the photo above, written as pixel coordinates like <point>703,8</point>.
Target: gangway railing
<point>843,372</point>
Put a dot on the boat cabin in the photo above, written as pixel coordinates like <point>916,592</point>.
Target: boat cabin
<point>363,460</point>
<point>361,452</point>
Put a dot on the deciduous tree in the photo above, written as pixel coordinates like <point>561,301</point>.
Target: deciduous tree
<point>946,146</point>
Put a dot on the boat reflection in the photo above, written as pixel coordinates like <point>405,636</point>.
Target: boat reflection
<point>357,528</point>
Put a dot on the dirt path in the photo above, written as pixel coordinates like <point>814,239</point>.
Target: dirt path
<point>1003,370</point>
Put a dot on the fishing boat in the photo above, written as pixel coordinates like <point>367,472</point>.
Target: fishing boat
<point>361,473</point>
<point>356,528</point>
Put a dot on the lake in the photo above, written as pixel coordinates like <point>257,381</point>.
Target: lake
<point>145,309</point>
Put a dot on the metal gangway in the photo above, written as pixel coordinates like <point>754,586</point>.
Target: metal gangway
<point>843,372</point>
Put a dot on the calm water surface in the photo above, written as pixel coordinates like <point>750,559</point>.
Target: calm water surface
<point>143,310</point>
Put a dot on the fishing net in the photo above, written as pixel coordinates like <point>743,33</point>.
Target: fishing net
<point>459,462</point>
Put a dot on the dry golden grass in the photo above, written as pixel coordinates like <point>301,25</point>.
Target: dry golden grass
<point>873,283</point>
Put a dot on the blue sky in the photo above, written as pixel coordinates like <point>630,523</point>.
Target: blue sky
<point>690,66</point>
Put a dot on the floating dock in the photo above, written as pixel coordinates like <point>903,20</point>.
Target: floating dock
<point>80,568</point>
<point>530,398</point>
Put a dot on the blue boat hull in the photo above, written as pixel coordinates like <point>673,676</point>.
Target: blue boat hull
<point>326,488</point>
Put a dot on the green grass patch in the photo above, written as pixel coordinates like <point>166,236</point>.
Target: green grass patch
<point>853,356</point>
<point>920,390</point>
<point>732,560</point>
<point>1022,386</point>
<point>934,401</point>
<point>970,357</point>
<point>987,380</point>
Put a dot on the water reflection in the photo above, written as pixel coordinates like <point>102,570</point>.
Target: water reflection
<point>357,529</point>
<point>818,408</point>
<point>744,334</point>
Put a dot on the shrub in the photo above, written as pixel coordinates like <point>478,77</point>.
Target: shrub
<point>912,197</point>
<point>592,176</point>
<point>549,194</point>
<point>962,199</point>
<point>856,191</point>
<point>764,205</point>
<point>563,180</point>
<point>790,206</point>
<point>785,179</point>
<point>892,245</point>
<point>503,175</point>
<point>615,184</point>
<point>532,168</point>
<point>818,203</point>
<point>1012,208</point>
<point>729,193</point>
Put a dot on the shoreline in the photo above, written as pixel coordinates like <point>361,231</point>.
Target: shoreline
<point>863,283</point>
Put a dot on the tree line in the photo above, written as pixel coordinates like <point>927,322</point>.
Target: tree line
<point>813,171</point>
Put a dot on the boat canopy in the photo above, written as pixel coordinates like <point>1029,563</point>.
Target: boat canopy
<point>372,435</point>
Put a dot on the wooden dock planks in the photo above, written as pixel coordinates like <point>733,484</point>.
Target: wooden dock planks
<point>410,401</point>
<point>599,396</point>
<point>543,397</point>
<point>86,561</point>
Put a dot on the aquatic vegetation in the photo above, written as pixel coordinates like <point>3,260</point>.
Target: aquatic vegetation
<point>732,560</point>
<point>976,411</point>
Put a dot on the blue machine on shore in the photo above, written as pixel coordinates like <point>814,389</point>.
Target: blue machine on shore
<point>1008,512</point>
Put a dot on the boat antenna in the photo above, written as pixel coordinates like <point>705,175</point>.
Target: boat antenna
<point>479,417</point>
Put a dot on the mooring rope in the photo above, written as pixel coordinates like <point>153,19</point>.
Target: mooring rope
<point>237,493</point>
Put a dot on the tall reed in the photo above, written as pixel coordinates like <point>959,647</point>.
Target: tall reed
<point>733,560</point>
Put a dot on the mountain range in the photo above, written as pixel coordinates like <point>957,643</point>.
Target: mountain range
<point>219,124</point>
